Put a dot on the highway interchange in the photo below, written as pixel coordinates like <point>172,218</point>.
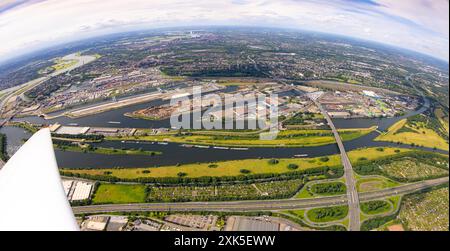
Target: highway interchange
<point>350,182</point>
<point>259,205</point>
<point>352,198</point>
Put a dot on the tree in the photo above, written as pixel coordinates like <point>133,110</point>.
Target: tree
<point>273,161</point>
<point>245,171</point>
<point>292,166</point>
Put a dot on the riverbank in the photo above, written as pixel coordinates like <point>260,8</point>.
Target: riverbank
<point>405,132</point>
<point>112,105</point>
<point>217,169</point>
<point>236,167</point>
<point>86,148</point>
<point>144,117</point>
<point>287,138</point>
<point>3,144</point>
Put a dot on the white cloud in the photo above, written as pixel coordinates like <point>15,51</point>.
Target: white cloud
<point>420,25</point>
<point>428,13</point>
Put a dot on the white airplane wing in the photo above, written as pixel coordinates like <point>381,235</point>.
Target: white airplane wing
<point>31,193</point>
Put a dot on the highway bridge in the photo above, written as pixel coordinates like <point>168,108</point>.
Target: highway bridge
<point>352,194</point>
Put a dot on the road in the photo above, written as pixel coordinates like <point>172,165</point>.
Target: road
<point>352,194</point>
<point>258,205</point>
<point>11,94</point>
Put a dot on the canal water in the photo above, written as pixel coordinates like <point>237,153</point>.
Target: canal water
<point>116,116</point>
<point>103,119</point>
<point>177,154</point>
<point>14,137</point>
<point>120,120</point>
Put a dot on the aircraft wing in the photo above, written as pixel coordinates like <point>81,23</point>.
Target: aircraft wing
<point>31,193</point>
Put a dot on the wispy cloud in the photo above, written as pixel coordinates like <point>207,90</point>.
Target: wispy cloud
<point>366,2</point>
<point>420,25</point>
<point>7,5</point>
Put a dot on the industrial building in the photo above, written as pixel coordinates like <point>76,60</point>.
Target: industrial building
<point>77,190</point>
<point>238,223</point>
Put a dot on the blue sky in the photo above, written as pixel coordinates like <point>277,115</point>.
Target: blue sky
<point>420,25</point>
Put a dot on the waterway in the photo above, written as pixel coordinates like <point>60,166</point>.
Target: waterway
<point>14,138</point>
<point>120,120</point>
<point>103,119</point>
<point>116,116</point>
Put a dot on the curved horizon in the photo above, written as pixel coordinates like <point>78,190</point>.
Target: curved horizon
<point>419,26</point>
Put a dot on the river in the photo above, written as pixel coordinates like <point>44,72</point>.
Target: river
<point>176,154</point>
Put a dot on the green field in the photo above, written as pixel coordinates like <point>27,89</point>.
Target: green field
<point>370,184</point>
<point>234,167</point>
<point>395,201</point>
<point>59,64</point>
<point>300,213</point>
<point>27,126</point>
<point>443,118</point>
<point>286,138</point>
<point>328,188</point>
<point>376,207</point>
<point>299,217</point>
<point>327,214</point>
<point>118,193</point>
<point>304,193</point>
<point>322,189</point>
<point>62,64</point>
<point>299,120</point>
<point>418,134</point>
<point>217,169</point>
<point>381,220</point>
<point>103,150</point>
<point>374,153</point>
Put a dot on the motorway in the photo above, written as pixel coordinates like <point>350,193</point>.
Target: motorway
<point>259,205</point>
<point>11,94</point>
<point>350,182</point>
